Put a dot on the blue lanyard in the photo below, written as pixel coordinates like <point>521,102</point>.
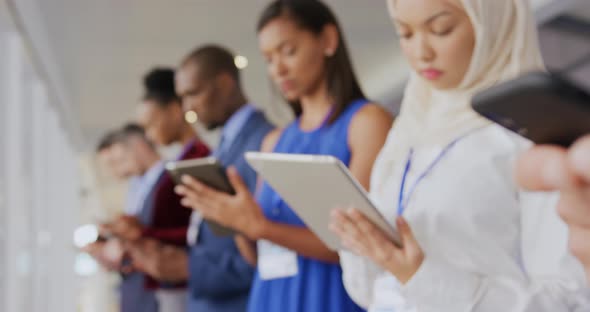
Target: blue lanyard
<point>401,204</point>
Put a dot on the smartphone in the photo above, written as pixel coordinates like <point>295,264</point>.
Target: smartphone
<point>210,172</point>
<point>543,107</point>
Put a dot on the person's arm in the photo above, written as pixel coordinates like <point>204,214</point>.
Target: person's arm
<point>176,236</point>
<point>358,272</point>
<point>242,213</point>
<point>129,228</point>
<point>541,273</point>
<point>366,135</point>
<point>358,275</point>
<point>164,263</point>
<point>246,246</point>
<point>300,240</point>
<point>550,168</point>
<point>553,277</point>
<point>108,254</point>
<point>247,249</point>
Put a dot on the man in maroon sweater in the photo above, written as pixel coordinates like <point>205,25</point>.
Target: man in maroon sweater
<point>165,223</point>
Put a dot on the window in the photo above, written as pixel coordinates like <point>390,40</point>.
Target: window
<point>39,187</point>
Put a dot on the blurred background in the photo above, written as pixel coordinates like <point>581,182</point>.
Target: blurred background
<point>71,69</point>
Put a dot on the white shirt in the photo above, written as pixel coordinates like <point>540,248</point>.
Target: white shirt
<point>488,245</point>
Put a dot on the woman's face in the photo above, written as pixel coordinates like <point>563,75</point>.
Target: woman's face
<point>437,38</point>
<point>295,57</point>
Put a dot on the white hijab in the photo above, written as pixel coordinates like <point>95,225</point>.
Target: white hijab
<point>506,47</point>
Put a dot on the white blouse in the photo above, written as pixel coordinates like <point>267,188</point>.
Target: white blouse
<point>488,245</point>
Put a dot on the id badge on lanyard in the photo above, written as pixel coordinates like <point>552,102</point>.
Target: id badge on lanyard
<point>276,262</point>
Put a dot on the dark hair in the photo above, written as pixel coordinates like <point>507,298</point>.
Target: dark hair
<point>132,130</point>
<point>314,16</point>
<point>159,87</point>
<point>212,61</point>
<point>108,140</point>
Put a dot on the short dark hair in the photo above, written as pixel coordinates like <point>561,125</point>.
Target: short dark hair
<point>122,136</point>
<point>159,86</point>
<point>132,129</point>
<point>107,141</point>
<point>213,60</point>
<point>313,16</point>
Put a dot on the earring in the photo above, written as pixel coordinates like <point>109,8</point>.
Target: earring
<point>329,53</point>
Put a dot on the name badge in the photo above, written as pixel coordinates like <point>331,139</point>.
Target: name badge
<point>276,262</point>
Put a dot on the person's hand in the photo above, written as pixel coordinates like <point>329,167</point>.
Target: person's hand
<point>165,263</point>
<point>113,251</point>
<point>363,237</point>
<point>108,254</point>
<point>239,212</point>
<point>552,168</point>
<point>126,227</point>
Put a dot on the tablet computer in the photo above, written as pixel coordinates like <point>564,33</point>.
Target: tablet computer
<point>208,171</point>
<point>543,107</point>
<point>312,186</point>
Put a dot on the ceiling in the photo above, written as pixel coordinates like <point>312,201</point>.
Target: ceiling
<point>102,48</point>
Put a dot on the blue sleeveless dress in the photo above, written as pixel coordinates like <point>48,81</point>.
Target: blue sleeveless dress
<point>318,285</point>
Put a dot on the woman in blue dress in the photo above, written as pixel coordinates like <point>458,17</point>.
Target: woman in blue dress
<point>308,61</point>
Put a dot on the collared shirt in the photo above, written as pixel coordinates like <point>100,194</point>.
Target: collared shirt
<point>233,127</point>
<point>140,187</point>
<point>132,197</point>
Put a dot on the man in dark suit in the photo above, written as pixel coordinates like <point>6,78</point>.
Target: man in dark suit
<point>219,278</point>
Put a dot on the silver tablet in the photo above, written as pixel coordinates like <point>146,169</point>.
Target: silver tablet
<point>313,185</point>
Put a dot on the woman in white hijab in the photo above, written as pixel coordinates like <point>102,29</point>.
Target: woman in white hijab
<point>473,241</point>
